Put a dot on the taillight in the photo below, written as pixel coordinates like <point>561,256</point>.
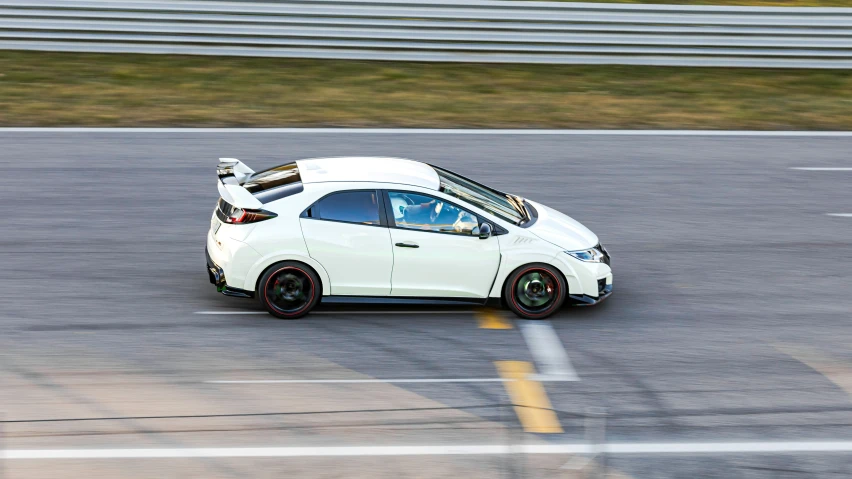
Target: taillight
<point>241,216</point>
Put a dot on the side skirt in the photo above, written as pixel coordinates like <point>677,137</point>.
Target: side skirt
<point>403,300</point>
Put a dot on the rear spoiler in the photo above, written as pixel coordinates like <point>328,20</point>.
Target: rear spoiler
<point>232,172</point>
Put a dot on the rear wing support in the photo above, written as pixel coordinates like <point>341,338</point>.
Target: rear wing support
<point>232,173</point>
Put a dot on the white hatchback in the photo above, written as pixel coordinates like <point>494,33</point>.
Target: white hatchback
<point>394,230</point>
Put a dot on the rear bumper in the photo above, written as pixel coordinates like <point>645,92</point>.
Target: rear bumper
<point>217,278</point>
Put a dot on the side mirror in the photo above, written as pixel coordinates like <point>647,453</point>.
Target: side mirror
<point>484,231</point>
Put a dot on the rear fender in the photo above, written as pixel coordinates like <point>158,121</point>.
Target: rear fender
<point>260,266</point>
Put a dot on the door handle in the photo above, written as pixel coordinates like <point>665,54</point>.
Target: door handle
<point>408,245</point>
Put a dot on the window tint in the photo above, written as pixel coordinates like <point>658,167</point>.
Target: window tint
<point>350,206</point>
<point>421,212</point>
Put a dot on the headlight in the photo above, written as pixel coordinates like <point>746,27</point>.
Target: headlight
<point>591,255</point>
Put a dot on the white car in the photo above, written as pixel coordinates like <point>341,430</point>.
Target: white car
<point>390,230</point>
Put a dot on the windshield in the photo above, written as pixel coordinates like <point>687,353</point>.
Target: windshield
<point>492,201</point>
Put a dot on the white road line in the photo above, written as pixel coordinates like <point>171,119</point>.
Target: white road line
<point>841,215</point>
<point>438,450</point>
<point>548,352</point>
<point>808,168</point>
<point>728,447</point>
<point>433,131</point>
<point>461,311</point>
<point>357,381</point>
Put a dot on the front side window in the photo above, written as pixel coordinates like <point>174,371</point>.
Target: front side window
<point>415,211</point>
<point>361,207</point>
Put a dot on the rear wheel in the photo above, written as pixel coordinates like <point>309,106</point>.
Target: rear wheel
<point>535,291</point>
<point>289,290</point>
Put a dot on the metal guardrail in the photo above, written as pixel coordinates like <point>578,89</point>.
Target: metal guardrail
<point>439,31</point>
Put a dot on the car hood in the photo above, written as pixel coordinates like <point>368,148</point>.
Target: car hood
<point>561,230</point>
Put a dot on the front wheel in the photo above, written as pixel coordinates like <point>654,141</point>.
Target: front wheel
<point>289,290</point>
<point>535,291</point>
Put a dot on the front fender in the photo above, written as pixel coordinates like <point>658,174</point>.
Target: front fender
<point>511,262</point>
<point>260,266</point>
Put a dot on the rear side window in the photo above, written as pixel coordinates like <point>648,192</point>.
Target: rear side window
<point>361,207</point>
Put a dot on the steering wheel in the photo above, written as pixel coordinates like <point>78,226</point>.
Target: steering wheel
<point>465,224</point>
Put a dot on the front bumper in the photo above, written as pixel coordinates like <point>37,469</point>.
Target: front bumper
<point>217,278</point>
<point>586,300</point>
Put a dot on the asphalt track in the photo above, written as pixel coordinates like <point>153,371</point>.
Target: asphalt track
<point>729,322</point>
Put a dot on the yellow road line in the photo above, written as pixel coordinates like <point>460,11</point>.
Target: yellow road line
<point>528,397</point>
<point>490,319</point>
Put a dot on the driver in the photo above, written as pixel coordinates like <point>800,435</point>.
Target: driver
<point>420,214</point>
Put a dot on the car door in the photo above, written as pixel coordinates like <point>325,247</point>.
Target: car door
<point>437,251</point>
<point>346,232</point>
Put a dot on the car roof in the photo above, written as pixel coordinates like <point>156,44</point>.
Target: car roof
<point>374,169</point>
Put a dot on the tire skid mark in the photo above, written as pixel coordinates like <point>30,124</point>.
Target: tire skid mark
<point>473,388</point>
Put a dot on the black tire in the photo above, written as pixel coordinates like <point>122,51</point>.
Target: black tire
<point>535,291</point>
<point>289,290</point>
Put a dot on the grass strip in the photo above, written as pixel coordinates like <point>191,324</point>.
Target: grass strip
<point>70,89</point>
